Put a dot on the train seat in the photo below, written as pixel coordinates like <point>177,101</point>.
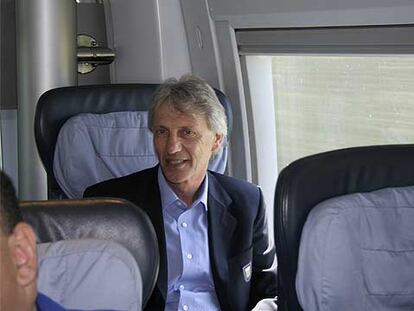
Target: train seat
<point>356,252</point>
<point>305,183</point>
<point>86,134</point>
<point>107,219</point>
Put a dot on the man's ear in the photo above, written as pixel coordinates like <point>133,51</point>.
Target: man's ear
<point>22,245</point>
<point>218,140</point>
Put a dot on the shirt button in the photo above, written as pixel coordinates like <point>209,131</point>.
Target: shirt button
<point>181,287</point>
<point>185,307</point>
<point>190,256</point>
<point>184,225</point>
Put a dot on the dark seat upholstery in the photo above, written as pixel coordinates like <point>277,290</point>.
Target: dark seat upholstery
<point>313,179</point>
<point>56,106</point>
<point>105,219</point>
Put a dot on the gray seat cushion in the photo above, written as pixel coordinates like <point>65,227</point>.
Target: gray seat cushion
<point>90,274</point>
<point>357,253</point>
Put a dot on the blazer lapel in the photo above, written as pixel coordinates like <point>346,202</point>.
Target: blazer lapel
<point>221,225</point>
<point>149,195</point>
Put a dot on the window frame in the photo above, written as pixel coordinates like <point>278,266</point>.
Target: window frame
<point>391,39</point>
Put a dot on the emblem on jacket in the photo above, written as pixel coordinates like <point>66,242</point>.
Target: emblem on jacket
<point>247,272</point>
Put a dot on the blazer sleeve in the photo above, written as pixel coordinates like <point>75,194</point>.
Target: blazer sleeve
<point>117,187</point>
<point>104,189</point>
<point>94,191</point>
<point>263,283</point>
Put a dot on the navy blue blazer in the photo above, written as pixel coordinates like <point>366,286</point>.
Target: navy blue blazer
<point>237,231</point>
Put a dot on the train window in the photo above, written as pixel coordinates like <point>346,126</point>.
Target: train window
<point>330,102</point>
<point>331,88</point>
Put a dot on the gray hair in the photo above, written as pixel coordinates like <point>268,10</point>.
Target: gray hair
<point>190,95</point>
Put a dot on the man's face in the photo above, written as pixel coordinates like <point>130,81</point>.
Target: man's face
<point>184,144</point>
<point>8,279</point>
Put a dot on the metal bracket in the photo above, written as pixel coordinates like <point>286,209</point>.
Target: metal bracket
<point>90,54</point>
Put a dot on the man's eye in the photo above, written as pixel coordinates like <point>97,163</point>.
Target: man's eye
<point>188,132</point>
<point>159,132</point>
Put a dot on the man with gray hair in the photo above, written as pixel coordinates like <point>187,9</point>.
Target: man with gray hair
<point>211,228</point>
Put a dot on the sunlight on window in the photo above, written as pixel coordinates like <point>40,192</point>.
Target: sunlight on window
<point>329,102</point>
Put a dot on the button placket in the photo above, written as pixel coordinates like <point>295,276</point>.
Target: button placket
<point>185,233</point>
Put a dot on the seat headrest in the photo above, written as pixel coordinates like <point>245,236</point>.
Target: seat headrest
<point>89,275</point>
<point>357,250</point>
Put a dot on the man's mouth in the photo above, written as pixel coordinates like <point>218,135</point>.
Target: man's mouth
<point>175,162</point>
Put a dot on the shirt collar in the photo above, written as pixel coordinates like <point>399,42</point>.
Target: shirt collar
<point>169,197</point>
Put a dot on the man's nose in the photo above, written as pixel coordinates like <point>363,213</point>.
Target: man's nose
<point>173,144</point>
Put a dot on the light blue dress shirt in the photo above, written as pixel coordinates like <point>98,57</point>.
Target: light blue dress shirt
<point>190,280</point>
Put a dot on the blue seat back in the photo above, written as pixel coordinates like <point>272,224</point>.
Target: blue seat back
<point>356,252</point>
<point>89,274</point>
